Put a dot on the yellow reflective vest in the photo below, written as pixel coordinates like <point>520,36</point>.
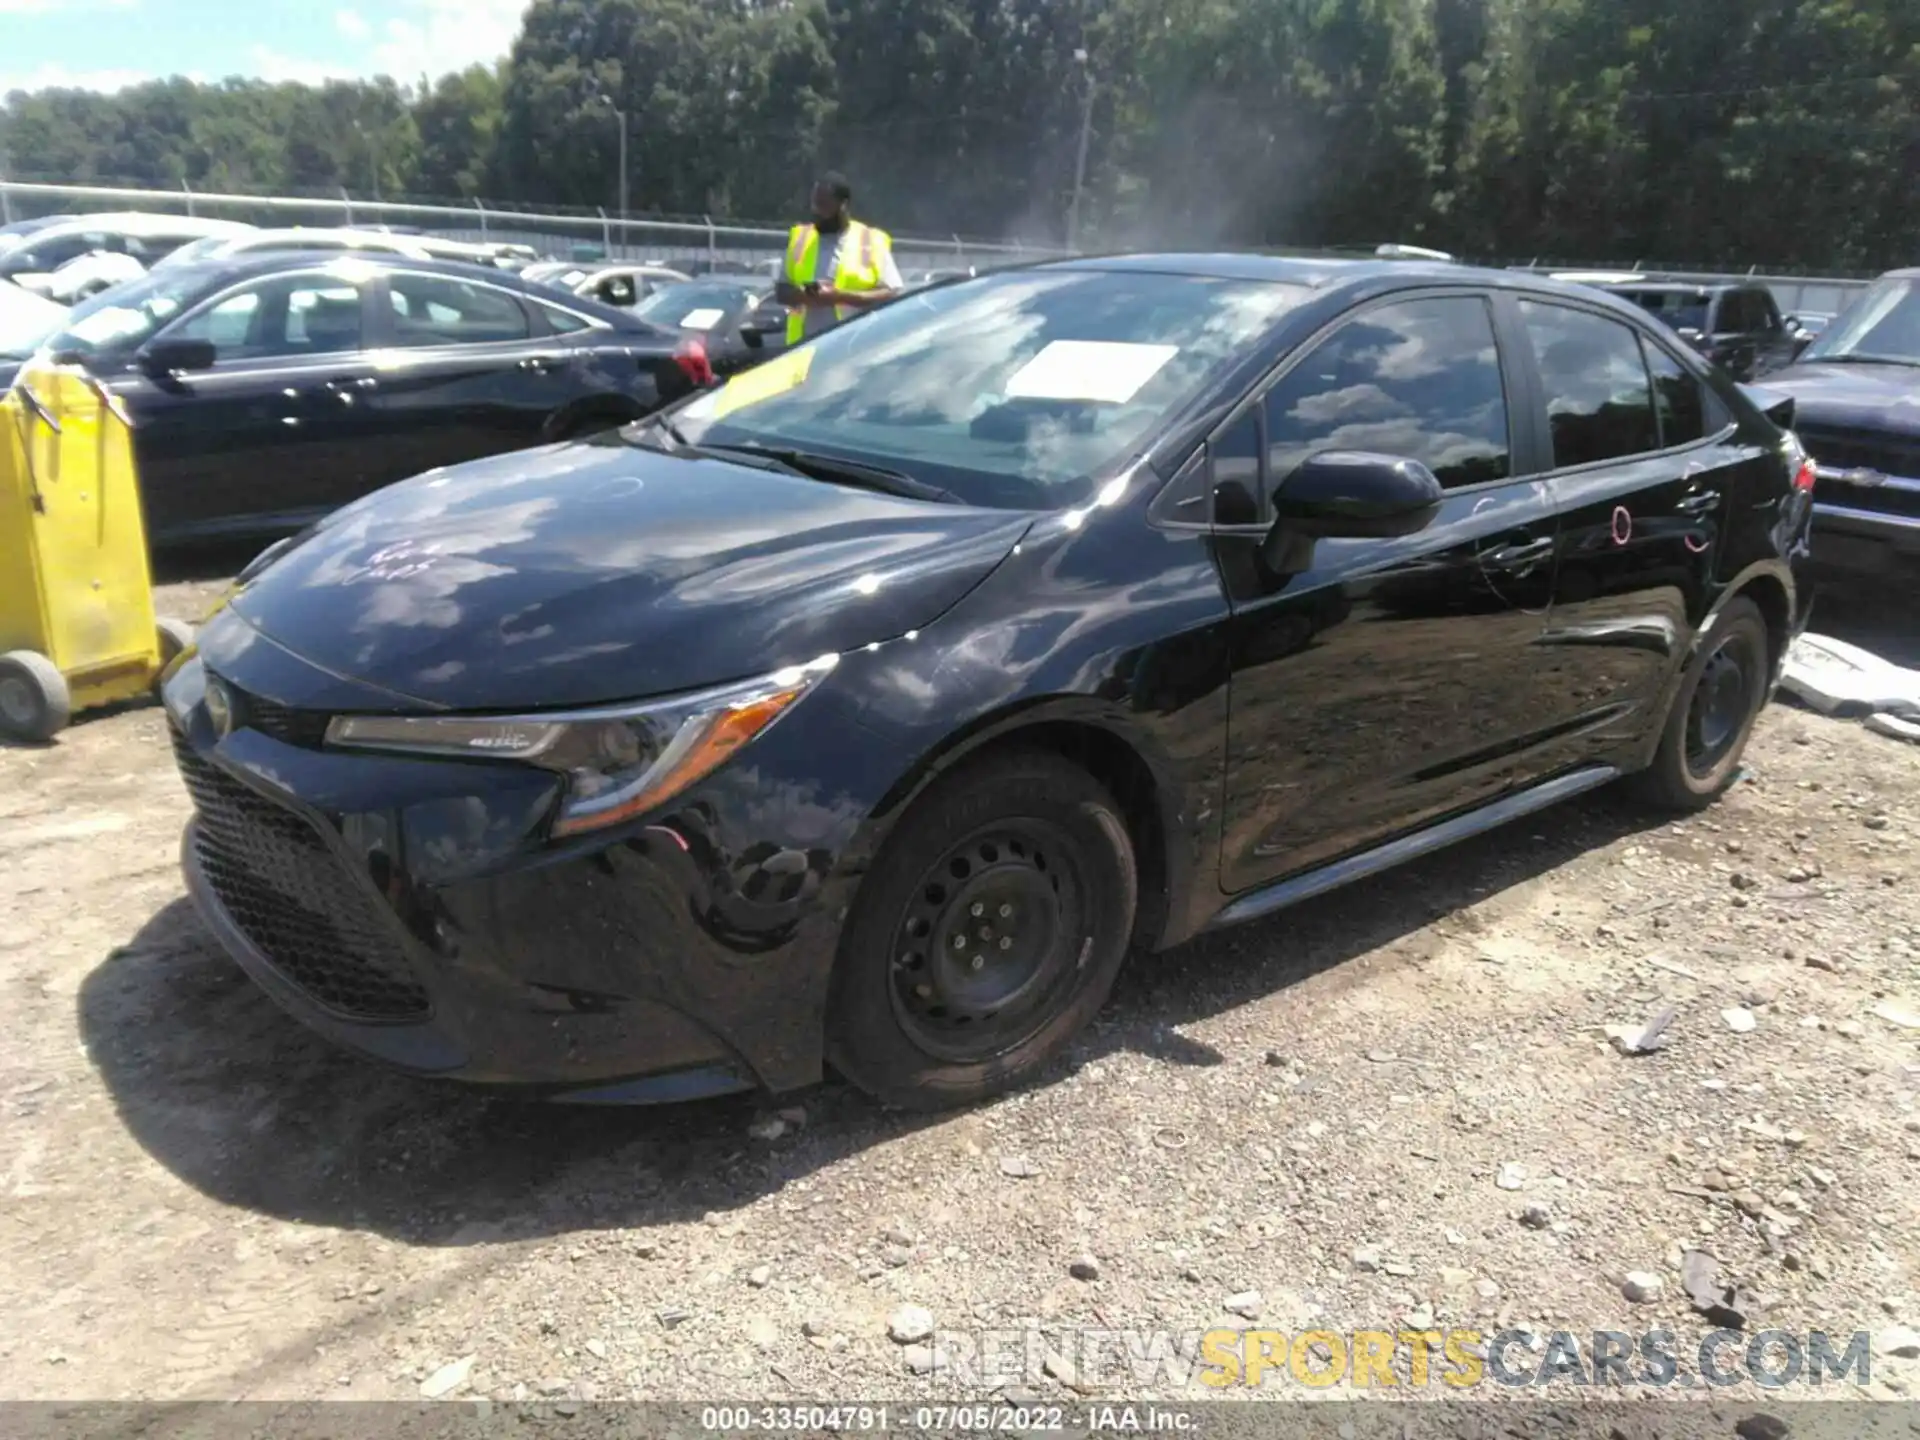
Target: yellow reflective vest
<point>857,266</point>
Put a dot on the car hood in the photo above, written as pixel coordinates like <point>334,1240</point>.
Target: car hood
<point>1884,398</point>
<point>593,572</point>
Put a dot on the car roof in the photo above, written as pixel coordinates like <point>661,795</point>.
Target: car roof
<point>237,268</point>
<point>1318,271</point>
<point>138,223</point>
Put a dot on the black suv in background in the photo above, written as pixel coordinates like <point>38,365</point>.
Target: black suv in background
<point>1856,393</point>
<point>1738,327</point>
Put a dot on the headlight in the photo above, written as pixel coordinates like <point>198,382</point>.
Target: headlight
<point>618,762</point>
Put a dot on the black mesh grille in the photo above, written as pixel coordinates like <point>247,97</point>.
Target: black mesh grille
<point>270,717</point>
<point>285,888</point>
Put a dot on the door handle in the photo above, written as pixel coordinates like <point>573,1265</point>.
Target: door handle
<point>543,364</point>
<point>1698,502</point>
<point>1513,557</point>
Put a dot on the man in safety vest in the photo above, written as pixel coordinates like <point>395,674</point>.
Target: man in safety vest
<point>836,266</point>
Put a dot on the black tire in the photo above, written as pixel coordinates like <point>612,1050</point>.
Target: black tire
<point>1720,696</point>
<point>35,704</point>
<point>1027,831</point>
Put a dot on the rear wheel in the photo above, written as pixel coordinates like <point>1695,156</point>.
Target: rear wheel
<point>988,932</point>
<point>35,704</point>
<point>1713,713</point>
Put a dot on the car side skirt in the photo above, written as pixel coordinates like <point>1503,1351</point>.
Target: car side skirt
<point>1295,888</point>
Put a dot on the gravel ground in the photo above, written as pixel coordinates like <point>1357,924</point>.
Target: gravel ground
<point>1398,1106</point>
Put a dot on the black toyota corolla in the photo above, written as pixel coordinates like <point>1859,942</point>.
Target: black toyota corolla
<point>870,709</point>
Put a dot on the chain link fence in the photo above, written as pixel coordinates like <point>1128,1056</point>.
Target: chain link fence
<point>559,233</point>
<point>590,234</point>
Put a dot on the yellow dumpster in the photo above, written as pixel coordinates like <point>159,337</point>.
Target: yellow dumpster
<point>77,627</point>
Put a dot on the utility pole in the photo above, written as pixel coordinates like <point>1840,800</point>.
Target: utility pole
<point>621,116</point>
<point>1080,161</point>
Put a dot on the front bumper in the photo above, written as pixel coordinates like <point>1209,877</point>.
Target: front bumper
<point>411,910</point>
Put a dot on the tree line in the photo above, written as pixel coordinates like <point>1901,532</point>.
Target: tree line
<point>1728,132</point>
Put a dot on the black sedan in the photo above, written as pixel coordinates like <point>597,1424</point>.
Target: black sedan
<point>266,391</point>
<point>871,708</point>
<point>716,312</point>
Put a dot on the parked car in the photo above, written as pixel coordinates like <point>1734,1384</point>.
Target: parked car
<point>90,274</point>
<point>267,390</point>
<point>1736,326</point>
<point>30,260</point>
<point>471,252</point>
<point>312,240</point>
<point>26,320</point>
<point>872,706</point>
<point>624,286</point>
<point>1806,326</point>
<point>15,228</point>
<point>1856,396</point>
<point>714,310</point>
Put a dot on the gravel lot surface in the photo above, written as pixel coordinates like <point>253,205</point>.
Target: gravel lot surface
<point>1399,1106</point>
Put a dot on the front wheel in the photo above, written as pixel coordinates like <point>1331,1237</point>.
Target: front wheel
<point>986,935</point>
<point>1720,697</point>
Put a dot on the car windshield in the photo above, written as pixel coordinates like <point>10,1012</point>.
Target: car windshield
<point>1678,309</point>
<point>1017,390</point>
<point>694,307</point>
<point>1884,324</point>
<point>129,314</point>
<point>25,321</point>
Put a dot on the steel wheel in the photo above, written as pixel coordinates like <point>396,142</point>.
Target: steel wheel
<point>986,933</point>
<point>1722,704</point>
<point>988,939</point>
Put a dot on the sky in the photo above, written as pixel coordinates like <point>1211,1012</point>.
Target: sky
<point>107,44</point>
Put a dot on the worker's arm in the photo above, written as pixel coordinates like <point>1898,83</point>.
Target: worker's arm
<point>890,285</point>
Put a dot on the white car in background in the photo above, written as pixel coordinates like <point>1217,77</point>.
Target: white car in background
<point>32,260</point>
<point>620,285</point>
<point>226,247</point>
<point>90,274</point>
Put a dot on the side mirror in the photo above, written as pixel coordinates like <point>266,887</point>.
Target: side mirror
<point>1691,336</point>
<point>171,357</point>
<point>1357,495</point>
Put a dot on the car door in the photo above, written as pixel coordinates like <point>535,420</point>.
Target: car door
<point>465,372</point>
<point>277,429</point>
<point>1642,476</point>
<point>1774,346</point>
<point>1380,684</point>
<point>1730,338</point>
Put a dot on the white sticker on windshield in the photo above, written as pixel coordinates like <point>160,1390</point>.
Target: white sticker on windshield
<point>700,319</point>
<point>1110,372</point>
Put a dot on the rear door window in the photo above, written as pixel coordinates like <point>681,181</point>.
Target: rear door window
<point>439,310</point>
<point>1416,379</point>
<point>1599,400</point>
<point>1679,399</point>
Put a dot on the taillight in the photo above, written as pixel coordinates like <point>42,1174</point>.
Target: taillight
<point>1805,476</point>
<point>691,356</point>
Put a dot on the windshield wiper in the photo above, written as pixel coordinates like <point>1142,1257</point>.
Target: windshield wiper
<point>852,472</point>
